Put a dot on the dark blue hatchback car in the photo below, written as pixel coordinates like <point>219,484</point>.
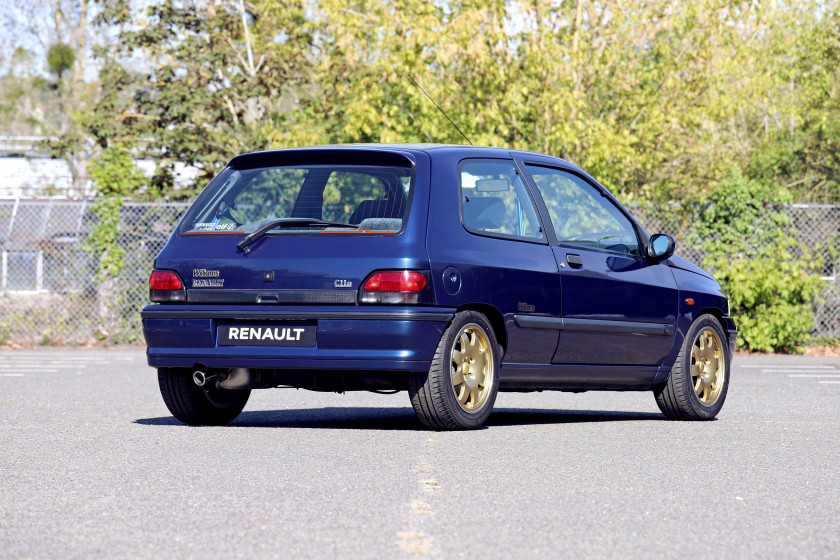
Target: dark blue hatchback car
<point>450,272</point>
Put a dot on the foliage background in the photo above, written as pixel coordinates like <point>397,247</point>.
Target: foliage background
<point>725,106</point>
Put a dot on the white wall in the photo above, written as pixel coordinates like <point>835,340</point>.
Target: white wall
<point>34,176</point>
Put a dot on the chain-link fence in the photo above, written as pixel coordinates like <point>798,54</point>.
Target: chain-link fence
<point>51,290</point>
<point>818,227</point>
<point>815,226</point>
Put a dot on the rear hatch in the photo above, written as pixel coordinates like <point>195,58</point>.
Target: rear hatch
<point>300,227</point>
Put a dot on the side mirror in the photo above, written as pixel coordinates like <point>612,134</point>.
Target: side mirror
<point>661,246</point>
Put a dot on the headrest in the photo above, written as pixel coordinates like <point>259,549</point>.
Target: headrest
<point>383,208</point>
<point>484,212</point>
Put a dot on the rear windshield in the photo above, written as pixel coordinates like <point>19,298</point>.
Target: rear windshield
<point>372,199</point>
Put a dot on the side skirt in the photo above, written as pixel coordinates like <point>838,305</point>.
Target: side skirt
<point>516,376</point>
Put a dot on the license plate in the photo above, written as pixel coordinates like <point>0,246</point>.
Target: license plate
<point>268,334</point>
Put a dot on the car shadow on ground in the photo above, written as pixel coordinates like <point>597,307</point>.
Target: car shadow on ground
<point>372,418</point>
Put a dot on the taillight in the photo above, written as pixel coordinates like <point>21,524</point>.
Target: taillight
<point>165,286</point>
<point>402,281</point>
<point>397,286</point>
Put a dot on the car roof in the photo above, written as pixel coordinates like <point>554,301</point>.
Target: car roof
<point>401,154</point>
<point>487,151</point>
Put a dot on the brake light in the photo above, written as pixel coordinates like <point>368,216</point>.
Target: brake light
<point>397,286</point>
<point>165,286</point>
<point>164,280</point>
<point>404,281</point>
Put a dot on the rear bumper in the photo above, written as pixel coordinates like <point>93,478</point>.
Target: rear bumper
<point>374,338</point>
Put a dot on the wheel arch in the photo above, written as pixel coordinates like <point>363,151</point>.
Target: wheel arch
<point>495,317</point>
<point>687,318</point>
<point>716,313</point>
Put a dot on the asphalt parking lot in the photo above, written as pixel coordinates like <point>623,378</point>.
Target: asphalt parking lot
<point>93,466</point>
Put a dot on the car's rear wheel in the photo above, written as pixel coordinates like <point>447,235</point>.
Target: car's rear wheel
<point>459,390</point>
<point>199,406</point>
<point>699,379</point>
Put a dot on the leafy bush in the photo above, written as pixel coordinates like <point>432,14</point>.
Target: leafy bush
<point>767,274</point>
<point>741,216</point>
<point>770,295</point>
<point>114,175</point>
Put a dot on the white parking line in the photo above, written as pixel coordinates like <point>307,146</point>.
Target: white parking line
<point>66,359</point>
<point>39,366</point>
<point>829,382</point>
<point>11,375</point>
<point>798,370</point>
<point>765,366</point>
<point>814,375</point>
<point>21,365</point>
<point>56,361</point>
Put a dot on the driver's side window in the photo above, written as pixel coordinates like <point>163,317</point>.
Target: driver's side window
<point>580,215</point>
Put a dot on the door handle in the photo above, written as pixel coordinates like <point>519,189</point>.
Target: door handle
<point>574,260</point>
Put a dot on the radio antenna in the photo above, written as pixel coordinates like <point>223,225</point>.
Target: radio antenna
<point>439,109</point>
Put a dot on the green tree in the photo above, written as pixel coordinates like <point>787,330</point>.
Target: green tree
<point>799,142</point>
<point>60,58</point>
<point>658,100</point>
<point>33,102</point>
<point>216,81</point>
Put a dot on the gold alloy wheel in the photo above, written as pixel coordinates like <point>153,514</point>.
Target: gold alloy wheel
<point>472,368</point>
<point>708,367</point>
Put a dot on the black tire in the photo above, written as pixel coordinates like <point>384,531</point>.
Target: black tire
<point>695,390</point>
<point>199,406</point>
<point>469,339</point>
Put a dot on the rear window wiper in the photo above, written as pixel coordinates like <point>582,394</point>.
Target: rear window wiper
<point>287,223</point>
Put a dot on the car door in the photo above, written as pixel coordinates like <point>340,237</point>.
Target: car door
<point>488,249</point>
<point>617,308</point>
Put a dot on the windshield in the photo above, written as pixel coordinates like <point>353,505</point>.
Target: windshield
<point>374,199</point>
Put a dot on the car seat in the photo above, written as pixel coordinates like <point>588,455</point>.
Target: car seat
<point>484,212</point>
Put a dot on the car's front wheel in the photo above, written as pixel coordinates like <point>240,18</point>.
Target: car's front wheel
<point>199,406</point>
<point>458,391</point>
<point>699,379</point>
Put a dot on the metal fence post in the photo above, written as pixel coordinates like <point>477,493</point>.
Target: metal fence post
<point>12,218</point>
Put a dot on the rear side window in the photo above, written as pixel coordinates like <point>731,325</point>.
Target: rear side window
<point>495,200</point>
<point>372,198</point>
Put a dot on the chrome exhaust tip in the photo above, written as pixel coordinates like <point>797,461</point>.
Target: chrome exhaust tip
<point>236,378</point>
<point>200,378</point>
